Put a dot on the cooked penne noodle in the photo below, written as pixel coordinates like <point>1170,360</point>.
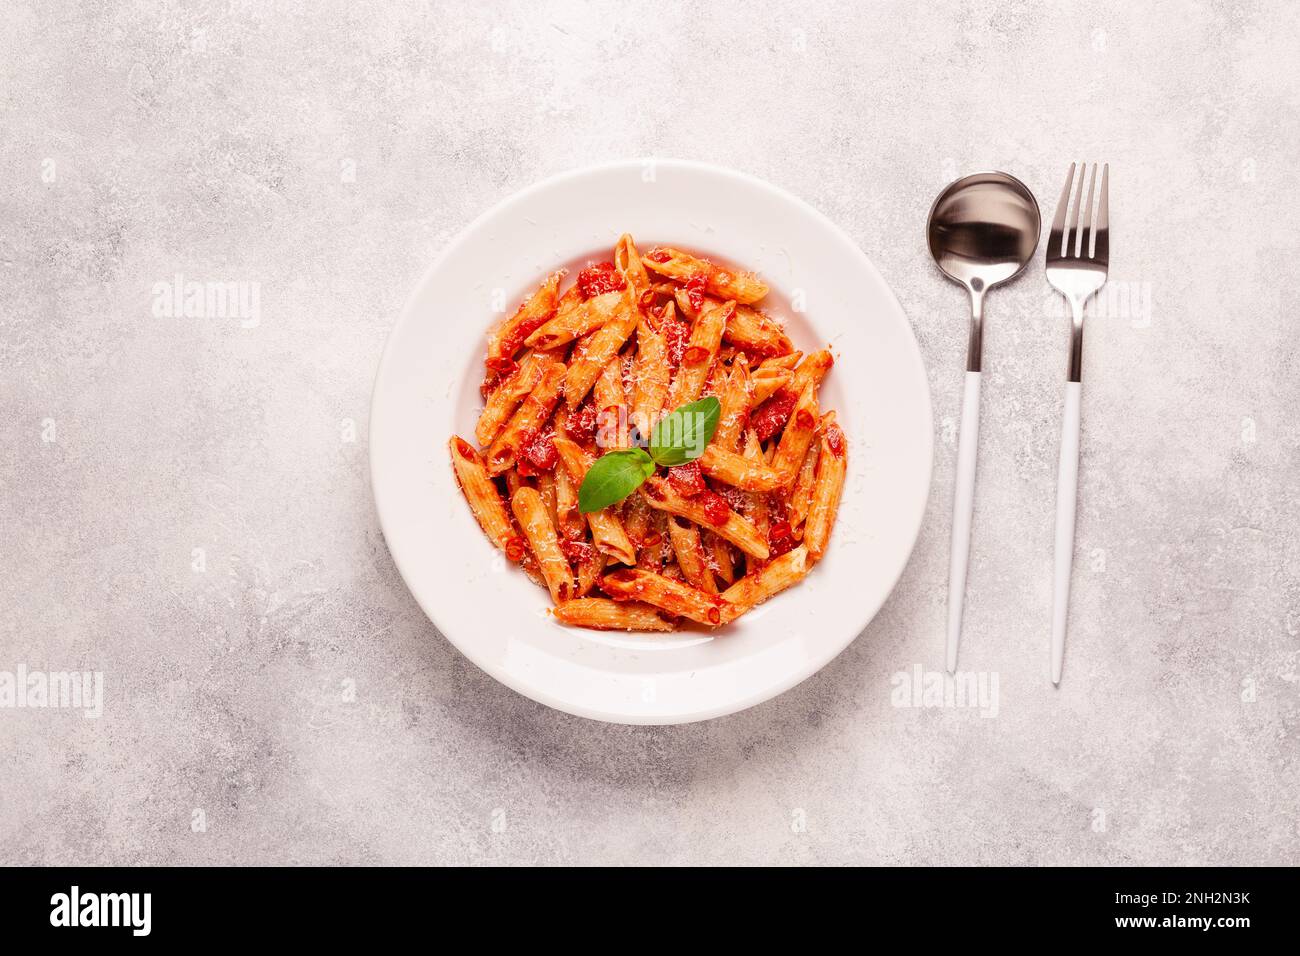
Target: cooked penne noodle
<point>507,338</point>
<point>787,362</point>
<point>611,405</point>
<point>827,488</point>
<point>546,488</point>
<point>588,362</point>
<point>753,589</point>
<point>628,262</point>
<point>589,570</point>
<point>718,554</point>
<point>650,374</point>
<point>530,417</point>
<point>602,614</point>
<point>734,403</point>
<point>690,306</point>
<point>767,382</point>
<point>798,435</point>
<point>570,300</point>
<point>665,593</point>
<point>756,507</point>
<point>811,371</point>
<point>571,523</point>
<point>757,333</point>
<point>743,287</point>
<point>577,322</point>
<point>685,538</point>
<point>485,502</point>
<point>637,514</point>
<point>801,493</point>
<point>661,495</point>
<point>607,532</point>
<point>503,400</point>
<point>706,336</point>
<point>530,512</point>
<point>737,470</point>
<point>650,551</point>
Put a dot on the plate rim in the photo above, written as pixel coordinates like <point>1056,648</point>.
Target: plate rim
<point>463,235</point>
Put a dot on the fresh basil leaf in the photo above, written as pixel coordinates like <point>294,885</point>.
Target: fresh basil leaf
<point>682,436</point>
<point>614,476</point>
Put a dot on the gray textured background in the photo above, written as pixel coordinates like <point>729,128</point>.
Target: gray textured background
<point>218,140</point>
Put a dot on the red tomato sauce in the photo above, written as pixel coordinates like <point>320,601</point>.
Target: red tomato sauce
<point>599,279</point>
<point>770,417</point>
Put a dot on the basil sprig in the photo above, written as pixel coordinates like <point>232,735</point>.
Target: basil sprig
<point>680,437</point>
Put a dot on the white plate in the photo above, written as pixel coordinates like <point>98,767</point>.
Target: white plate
<point>427,388</point>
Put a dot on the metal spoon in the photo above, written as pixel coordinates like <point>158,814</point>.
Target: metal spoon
<point>982,231</point>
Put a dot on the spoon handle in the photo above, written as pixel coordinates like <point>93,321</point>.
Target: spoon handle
<point>962,506</point>
<point>1067,490</point>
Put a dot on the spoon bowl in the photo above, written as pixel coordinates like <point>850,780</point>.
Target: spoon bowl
<point>983,229</point>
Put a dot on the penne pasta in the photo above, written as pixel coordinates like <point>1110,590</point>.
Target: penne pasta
<point>530,512</point>
<point>738,471</point>
<point>757,333</point>
<point>711,512</point>
<point>718,553</point>
<point>628,262</point>
<point>571,524</point>
<point>485,502</point>
<point>827,488</point>
<point>650,376</point>
<point>787,362</point>
<point>611,405</point>
<point>797,436</point>
<point>530,417</point>
<point>664,593</point>
<point>602,614</point>
<point>801,494</point>
<point>503,400</point>
<point>743,287</point>
<point>811,371</point>
<point>756,504</point>
<point>589,571</point>
<point>507,338</point>
<point>575,322</point>
<point>546,488</point>
<point>588,362</point>
<point>607,532</point>
<point>705,338</point>
<point>651,548</point>
<point>685,538</point>
<point>767,382</point>
<point>753,589</point>
<point>735,401</point>
<point>636,517</point>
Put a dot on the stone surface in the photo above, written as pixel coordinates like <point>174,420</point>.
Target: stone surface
<point>182,509</point>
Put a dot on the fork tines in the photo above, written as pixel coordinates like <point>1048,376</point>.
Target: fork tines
<point>1071,243</point>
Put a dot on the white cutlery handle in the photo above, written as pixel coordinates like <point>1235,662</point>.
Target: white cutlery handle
<point>963,504</point>
<point>1067,488</point>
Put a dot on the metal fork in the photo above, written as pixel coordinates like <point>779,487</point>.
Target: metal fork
<point>1078,257</point>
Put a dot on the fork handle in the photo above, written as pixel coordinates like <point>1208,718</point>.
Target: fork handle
<point>1067,489</point>
<point>963,504</point>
